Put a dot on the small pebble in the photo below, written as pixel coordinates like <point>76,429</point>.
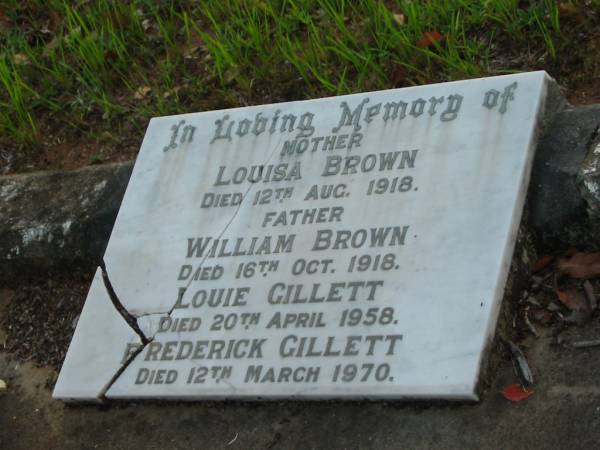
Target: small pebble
<point>537,279</point>
<point>3,387</point>
<point>553,307</point>
<point>536,284</point>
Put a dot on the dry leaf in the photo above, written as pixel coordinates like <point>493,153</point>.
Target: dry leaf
<point>580,265</point>
<point>141,92</point>
<point>170,92</point>
<point>515,393</point>
<point>578,303</point>
<point>5,24</point>
<point>567,9</point>
<point>429,38</point>
<point>398,76</point>
<point>20,58</point>
<point>542,263</point>
<point>399,18</point>
<point>542,316</point>
<point>573,299</point>
<point>195,42</point>
<point>231,73</point>
<point>51,45</point>
<point>52,24</point>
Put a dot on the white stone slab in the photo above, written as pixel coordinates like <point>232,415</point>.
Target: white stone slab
<point>464,151</point>
<point>92,359</point>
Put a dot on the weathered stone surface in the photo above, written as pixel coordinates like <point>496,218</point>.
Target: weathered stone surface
<point>110,330</point>
<point>562,188</point>
<point>345,303</point>
<point>57,221</point>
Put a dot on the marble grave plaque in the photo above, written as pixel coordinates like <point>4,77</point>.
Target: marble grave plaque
<point>347,247</point>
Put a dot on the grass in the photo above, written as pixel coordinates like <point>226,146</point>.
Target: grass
<point>85,67</point>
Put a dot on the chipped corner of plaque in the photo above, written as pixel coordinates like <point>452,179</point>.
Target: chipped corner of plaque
<point>107,340</point>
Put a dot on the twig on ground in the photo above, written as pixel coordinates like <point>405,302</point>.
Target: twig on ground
<point>586,344</point>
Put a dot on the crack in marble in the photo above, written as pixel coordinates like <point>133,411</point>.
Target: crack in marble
<point>122,369</point>
<point>127,316</point>
<point>132,319</point>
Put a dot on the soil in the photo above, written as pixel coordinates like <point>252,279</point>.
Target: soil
<point>39,321</point>
<point>586,93</point>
